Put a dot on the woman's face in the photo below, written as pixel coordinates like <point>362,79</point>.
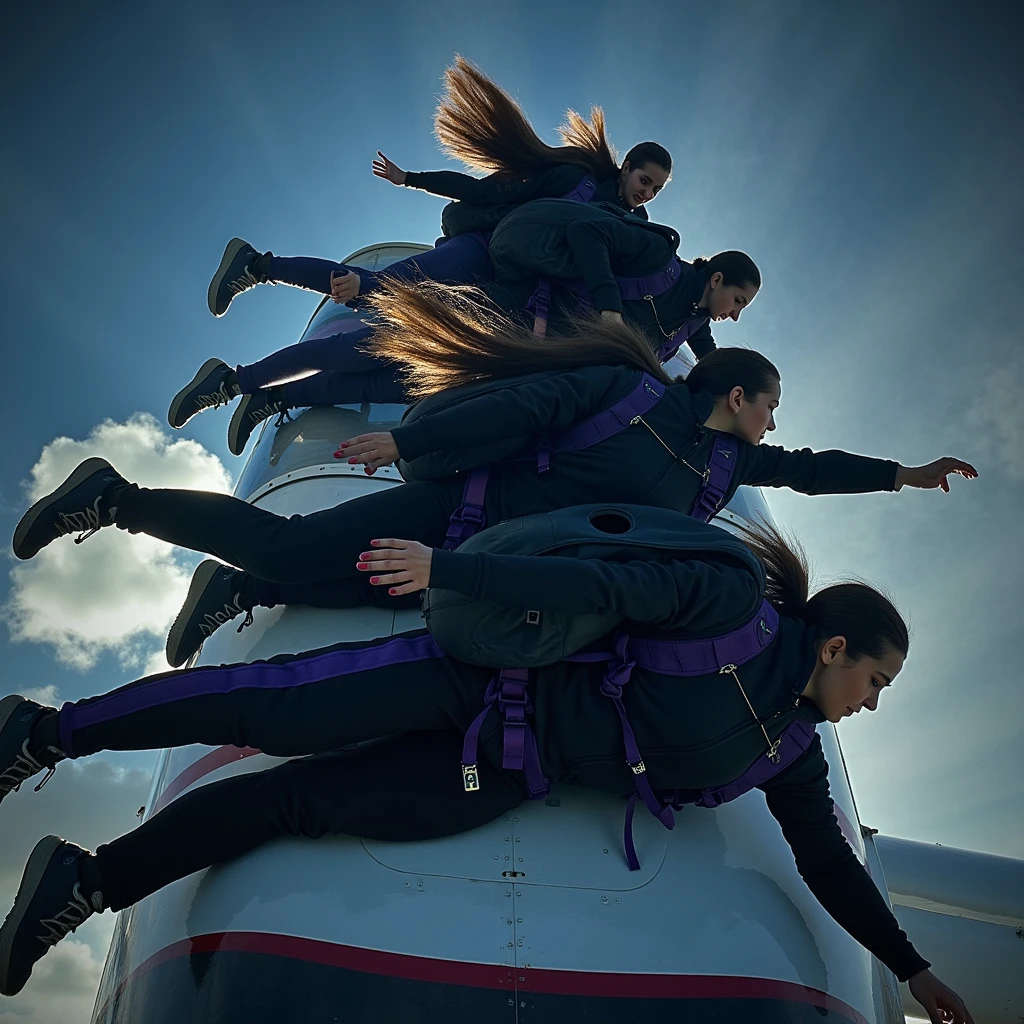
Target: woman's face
<point>755,416</point>
<point>842,687</point>
<point>641,185</point>
<point>726,301</point>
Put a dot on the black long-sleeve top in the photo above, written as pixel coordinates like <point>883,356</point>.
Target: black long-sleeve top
<point>594,243</point>
<point>693,736</point>
<point>631,466</point>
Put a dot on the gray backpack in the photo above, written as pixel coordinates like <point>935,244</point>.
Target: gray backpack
<point>489,632</point>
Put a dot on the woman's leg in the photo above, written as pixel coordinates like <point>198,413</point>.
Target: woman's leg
<point>352,793</point>
<point>292,704</point>
<point>321,546</point>
<point>333,388</point>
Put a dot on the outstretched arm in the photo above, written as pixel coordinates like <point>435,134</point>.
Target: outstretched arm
<point>495,188</point>
<point>800,801</point>
<point>837,472</point>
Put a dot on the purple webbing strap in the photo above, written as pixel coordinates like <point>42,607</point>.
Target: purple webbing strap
<point>704,657</point>
<point>468,518</point>
<point>583,192</point>
<point>644,397</point>
<point>795,739</point>
<point>539,304</point>
<point>721,466</point>
<point>653,284</point>
<point>519,744</point>
<point>686,330</point>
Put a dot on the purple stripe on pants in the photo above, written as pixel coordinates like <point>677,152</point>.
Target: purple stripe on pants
<point>171,687</point>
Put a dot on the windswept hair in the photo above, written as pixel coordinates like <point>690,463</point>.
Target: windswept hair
<point>857,611</point>
<point>445,336</point>
<point>480,124</point>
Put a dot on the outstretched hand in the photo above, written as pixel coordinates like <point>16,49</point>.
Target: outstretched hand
<point>934,474</point>
<point>944,1006</point>
<point>344,287</point>
<point>384,168</point>
<point>369,450</point>
<point>404,563</point>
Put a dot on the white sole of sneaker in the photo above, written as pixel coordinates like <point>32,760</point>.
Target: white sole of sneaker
<point>175,410</point>
<point>28,520</point>
<point>38,862</point>
<point>200,580</point>
<point>232,250</point>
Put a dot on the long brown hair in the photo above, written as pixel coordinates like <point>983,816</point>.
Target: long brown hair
<point>444,336</point>
<point>853,609</point>
<point>480,124</point>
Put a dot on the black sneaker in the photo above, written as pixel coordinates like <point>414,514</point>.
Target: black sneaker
<point>234,275</point>
<point>214,597</point>
<point>215,384</point>
<point>20,759</point>
<point>50,903</point>
<point>77,506</point>
<point>251,412</point>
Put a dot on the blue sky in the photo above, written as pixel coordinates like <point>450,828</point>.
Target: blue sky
<point>867,154</point>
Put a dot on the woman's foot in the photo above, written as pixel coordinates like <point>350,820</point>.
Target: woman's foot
<point>251,412</point>
<point>237,273</point>
<point>215,384</point>
<point>216,595</point>
<point>79,505</point>
<point>52,901</point>
<point>23,753</point>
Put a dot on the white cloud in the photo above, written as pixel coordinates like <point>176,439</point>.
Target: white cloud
<point>117,592</point>
<point>62,988</point>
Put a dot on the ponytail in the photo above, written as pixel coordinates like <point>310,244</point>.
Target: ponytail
<point>480,124</point>
<point>445,336</point>
<point>863,615</point>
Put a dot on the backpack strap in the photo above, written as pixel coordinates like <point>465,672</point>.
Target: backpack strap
<point>793,742</point>
<point>519,744</point>
<point>599,427</point>
<point>469,517</point>
<point>721,467</point>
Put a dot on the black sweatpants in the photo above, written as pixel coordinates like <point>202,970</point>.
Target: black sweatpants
<point>298,549</point>
<point>312,703</point>
<point>404,788</point>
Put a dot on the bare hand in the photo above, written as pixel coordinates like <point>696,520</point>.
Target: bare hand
<point>384,168</point>
<point>611,314</point>
<point>944,1006</point>
<point>934,474</point>
<point>344,287</point>
<point>369,450</point>
<point>404,563</point>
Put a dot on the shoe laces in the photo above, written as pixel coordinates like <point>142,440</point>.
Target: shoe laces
<point>85,522</point>
<point>24,767</point>
<point>78,910</point>
<point>243,282</point>
<point>223,395</point>
<point>212,621</point>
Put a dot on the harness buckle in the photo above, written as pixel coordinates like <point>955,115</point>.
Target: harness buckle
<point>637,769</point>
<point>773,752</point>
<point>470,778</point>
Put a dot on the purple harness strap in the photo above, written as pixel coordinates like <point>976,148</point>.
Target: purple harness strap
<point>469,517</point>
<point>721,466</point>
<point>691,658</point>
<point>519,745</point>
<point>686,330</point>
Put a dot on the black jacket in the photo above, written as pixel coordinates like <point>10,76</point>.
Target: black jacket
<point>592,244</point>
<point>693,736</point>
<point>483,202</point>
<point>632,466</point>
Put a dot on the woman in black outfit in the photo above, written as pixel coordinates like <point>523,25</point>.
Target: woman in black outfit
<point>831,656</point>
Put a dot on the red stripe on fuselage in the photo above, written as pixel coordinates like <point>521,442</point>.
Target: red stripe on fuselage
<point>595,984</point>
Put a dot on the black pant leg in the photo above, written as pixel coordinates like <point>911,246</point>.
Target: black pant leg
<point>293,704</point>
<point>405,788</point>
<point>320,546</point>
